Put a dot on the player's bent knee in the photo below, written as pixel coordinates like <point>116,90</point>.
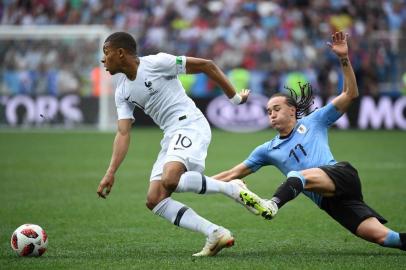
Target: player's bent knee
<point>150,204</point>
<point>154,199</point>
<point>171,175</point>
<point>318,181</point>
<point>170,184</point>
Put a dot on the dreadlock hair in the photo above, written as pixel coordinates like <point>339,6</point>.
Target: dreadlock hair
<point>123,40</point>
<point>301,102</point>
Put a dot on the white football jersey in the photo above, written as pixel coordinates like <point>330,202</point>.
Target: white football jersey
<point>157,91</point>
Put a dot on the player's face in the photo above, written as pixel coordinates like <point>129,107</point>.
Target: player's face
<point>111,58</point>
<point>280,113</point>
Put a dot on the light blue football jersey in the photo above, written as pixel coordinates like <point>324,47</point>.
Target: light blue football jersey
<point>306,147</point>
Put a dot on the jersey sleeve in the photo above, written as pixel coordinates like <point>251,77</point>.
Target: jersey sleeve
<point>258,158</point>
<point>326,115</point>
<point>124,109</point>
<point>170,64</point>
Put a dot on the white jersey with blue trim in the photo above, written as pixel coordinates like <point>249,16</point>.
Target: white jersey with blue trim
<point>157,91</point>
<point>306,147</point>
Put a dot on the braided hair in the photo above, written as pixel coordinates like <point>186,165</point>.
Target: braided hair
<point>301,102</point>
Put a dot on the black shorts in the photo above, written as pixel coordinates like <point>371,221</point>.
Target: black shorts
<point>347,206</point>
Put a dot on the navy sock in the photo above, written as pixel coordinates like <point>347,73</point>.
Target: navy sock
<point>288,191</point>
<point>403,240</point>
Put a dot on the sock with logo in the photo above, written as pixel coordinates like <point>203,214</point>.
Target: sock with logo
<point>289,189</point>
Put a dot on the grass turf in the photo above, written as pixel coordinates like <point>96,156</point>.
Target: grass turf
<point>50,179</point>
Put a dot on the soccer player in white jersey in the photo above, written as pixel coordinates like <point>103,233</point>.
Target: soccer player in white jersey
<point>151,83</point>
<point>301,152</point>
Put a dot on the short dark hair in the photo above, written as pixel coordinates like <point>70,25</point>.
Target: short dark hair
<point>301,102</point>
<point>123,40</point>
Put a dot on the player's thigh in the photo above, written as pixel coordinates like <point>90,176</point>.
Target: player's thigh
<point>318,181</point>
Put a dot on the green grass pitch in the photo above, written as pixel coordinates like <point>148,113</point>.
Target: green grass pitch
<point>50,179</point>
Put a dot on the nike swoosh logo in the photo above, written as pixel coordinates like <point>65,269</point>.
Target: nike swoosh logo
<point>178,148</point>
<point>127,98</point>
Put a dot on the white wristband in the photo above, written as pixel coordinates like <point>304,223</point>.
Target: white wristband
<point>236,99</point>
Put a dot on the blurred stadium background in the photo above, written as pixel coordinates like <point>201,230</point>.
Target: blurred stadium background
<point>50,53</point>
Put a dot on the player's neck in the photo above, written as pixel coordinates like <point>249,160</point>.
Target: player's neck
<point>130,70</point>
<point>284,133</point>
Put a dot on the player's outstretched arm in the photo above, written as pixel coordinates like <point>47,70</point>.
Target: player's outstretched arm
<point>199,65</point>
<point>120,148</point>
<point>237,172</point>
<point>350,90</point>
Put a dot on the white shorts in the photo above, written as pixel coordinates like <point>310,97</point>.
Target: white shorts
<point>187,143</point>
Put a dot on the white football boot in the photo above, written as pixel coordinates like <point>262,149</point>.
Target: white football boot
<point>216,241</point>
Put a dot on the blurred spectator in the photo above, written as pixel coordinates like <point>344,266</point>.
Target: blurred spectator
<point>48,67</point>
<point>269,40</point>
<point>67,81</point>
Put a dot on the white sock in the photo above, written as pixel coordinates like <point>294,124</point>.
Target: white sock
<point>183,216</point>
<point>199,183</point>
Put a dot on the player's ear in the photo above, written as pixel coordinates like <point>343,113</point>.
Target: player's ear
<point>120,52</point>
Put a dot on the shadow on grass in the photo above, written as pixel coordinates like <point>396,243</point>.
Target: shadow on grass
<point>306,254</point>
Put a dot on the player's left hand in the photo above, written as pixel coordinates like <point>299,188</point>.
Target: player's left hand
<point>339,44</point>
<point>244,95</point>
<point>105,185</point>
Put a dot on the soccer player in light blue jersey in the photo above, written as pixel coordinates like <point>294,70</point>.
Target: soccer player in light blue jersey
<point>301,152</point>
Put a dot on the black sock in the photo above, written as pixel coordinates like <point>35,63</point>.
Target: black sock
<point>287,191</point>
<point>403,240</point>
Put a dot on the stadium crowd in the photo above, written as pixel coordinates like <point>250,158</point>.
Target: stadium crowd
<point>263,45</point>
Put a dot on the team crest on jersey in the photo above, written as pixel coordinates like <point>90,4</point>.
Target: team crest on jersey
<point>302,129</point>
<point>148,84</point>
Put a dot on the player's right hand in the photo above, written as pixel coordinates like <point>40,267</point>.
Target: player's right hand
<point>244,95</point>
<point>105,185</point>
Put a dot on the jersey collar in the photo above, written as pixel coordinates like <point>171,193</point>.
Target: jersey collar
<point>278,140</point>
